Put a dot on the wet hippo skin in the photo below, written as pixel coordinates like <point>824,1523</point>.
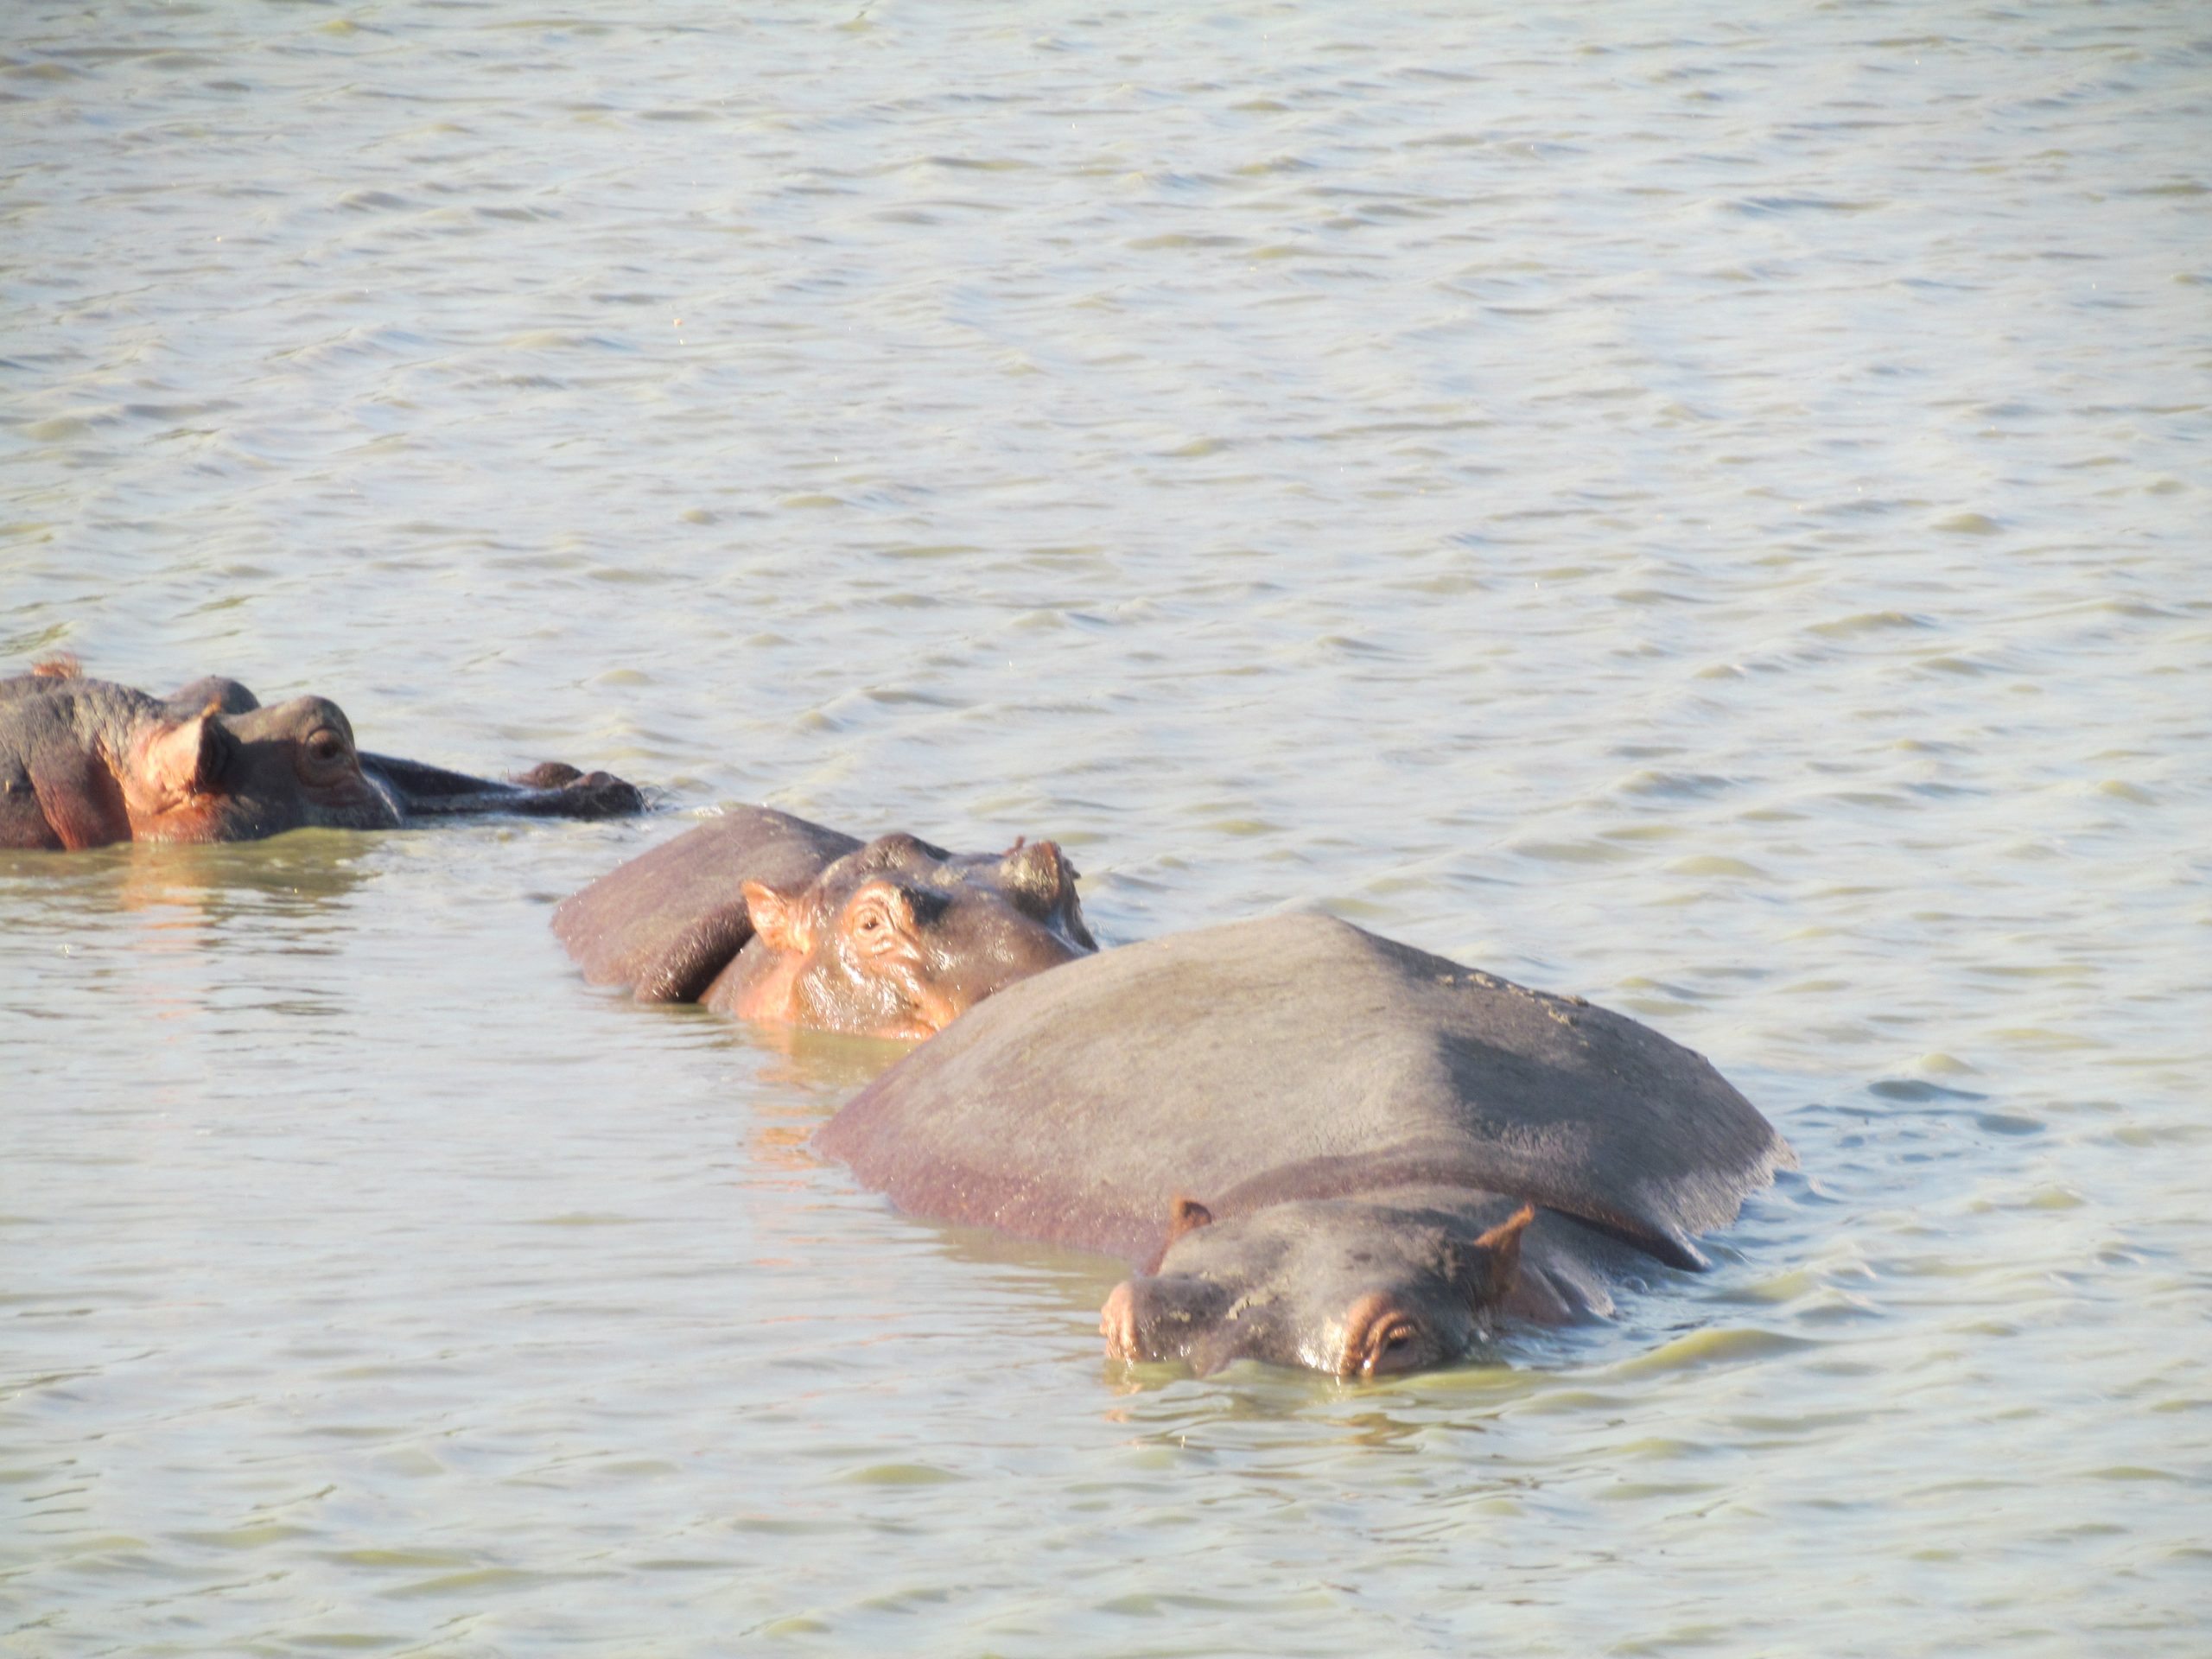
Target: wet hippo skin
<point>765,916</point>
<point>86,763</point>
<point>1320,1148</point>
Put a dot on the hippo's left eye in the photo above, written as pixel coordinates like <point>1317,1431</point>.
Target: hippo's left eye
<point>877,919</point>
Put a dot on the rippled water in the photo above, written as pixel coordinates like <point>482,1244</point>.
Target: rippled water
<point>1708,515</point>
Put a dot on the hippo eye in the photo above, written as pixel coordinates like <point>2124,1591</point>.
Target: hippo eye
<point>877,917</point>
<point>324,755</point>
<point>871,928</point>
<point>1395,1347</point>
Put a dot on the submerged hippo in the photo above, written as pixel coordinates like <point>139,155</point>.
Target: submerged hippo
<point>1321,1148</point>
<point>86,762</point>
<point>770,918</point>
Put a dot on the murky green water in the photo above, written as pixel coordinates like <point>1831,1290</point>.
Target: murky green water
<point>1709,515</point>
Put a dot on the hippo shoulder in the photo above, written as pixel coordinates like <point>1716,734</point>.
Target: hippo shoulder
<point>1296,1057</point>
<point>666,922</point>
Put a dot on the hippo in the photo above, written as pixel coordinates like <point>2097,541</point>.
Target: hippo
<point>773,918</point>
<point>85,762</point>
<point>1316,1146</point>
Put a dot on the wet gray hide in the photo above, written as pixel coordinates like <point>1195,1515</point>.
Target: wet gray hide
<point>1299,1057</point>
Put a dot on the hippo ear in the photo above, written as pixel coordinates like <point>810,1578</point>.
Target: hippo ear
<point>179,759</point>
<point>779,919</point>
<point>1187,1214</point>
<point>1035,868</point>
<point>1490,1266</point>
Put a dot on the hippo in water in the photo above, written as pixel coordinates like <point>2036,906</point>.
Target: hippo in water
<point>1318,1147</point>
<point>770,918</point>
<point>85,762</point>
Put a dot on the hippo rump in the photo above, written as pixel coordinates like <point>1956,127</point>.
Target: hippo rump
<point>85,762</point>
<point>1319,1147</point>
<point>767,916</point>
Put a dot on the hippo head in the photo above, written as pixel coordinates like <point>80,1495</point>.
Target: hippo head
<point>1360,1286</point>
<point>898,938</point>
<point>229,772</point>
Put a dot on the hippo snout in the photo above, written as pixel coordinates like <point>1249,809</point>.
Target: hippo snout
<point>1171,1316</point>
<point>1117,1322</point>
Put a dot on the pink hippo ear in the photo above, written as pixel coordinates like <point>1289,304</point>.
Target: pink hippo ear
<point>780,918</point>
<point>176,760</point>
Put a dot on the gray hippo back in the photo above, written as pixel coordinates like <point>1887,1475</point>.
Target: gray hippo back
<point>1301,1061</point>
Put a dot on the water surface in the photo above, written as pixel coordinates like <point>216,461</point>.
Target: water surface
<point>1710,515</point>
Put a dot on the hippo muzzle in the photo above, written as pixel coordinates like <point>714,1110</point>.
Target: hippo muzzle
<point>1363,1286</point>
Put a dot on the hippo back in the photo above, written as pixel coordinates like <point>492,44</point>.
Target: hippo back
<point>668,921</point>
<point>1298,1057</point>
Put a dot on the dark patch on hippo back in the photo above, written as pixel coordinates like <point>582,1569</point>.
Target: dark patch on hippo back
<point>669,920</point>
<point>1298,1057</point>
<point>682,969</point>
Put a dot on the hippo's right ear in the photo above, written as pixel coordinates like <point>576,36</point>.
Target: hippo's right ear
<point>780,918</point>
<point>178,760</point>
<point>1187,1214</point>
<point>1491,1265</point>
<point>1037,869</point>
